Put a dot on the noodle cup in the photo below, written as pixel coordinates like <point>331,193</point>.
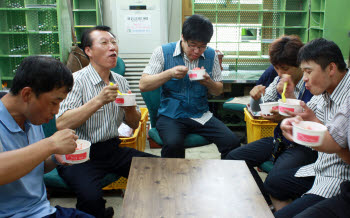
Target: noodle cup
<point>292,105</point>
<point>81,154</point>
<point>308,133</point>
<point>267,107</point>
<point>126,99</point>
<point>196,74</point>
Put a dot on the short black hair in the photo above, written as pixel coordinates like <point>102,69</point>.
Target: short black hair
<point>197,28</point>
<point>322,52</point>
<point>86,40</point>
<point>42,74</point>
<point>284,50</point>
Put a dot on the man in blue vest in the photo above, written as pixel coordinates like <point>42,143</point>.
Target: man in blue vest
<point>183,103</point>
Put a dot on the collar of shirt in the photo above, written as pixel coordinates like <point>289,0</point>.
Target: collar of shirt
<point>93,75</point>
<point>178,51</point>
<point>299,86</point>
<point>9,122</point>
<point>96,78</point>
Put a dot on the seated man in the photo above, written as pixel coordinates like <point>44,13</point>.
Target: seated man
<point>268,76</point>
<point>184,104</point>
<point>335,141</point>
<point>283,56</point>
<point>40,84</point>
<point>265,80</point>
<point>326,76</point>
<point>90,109</point>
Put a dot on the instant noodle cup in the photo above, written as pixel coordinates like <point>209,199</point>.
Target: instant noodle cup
<point>292,105</point>
<point>308,133</point>
<point>81,154</point>
<point>267,107</point>
<point>126,99</point>
<point>196,74</point>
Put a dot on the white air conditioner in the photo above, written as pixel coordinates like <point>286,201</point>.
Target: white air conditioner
<point>141,25</point>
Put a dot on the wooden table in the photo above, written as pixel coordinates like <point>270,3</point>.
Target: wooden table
<point>164,188</point>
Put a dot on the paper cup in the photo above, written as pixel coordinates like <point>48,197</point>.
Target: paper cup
<point>126,99</point>
<point>309,133</point>
<point>292,105</point>
<point>267,107</point>
<point>196,74</point>
<point>81,155</point>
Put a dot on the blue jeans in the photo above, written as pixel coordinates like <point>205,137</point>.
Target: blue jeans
<point>257,152</point>
<point>173,132</point>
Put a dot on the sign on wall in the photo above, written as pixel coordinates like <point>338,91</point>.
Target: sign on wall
<point>138,24</point>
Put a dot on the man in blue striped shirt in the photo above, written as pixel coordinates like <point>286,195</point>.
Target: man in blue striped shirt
<point>90,109</point>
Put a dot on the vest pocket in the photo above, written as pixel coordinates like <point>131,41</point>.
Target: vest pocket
<point>174,85</point>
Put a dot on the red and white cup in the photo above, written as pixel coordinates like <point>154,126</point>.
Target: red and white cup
<point>267,107</point>
<point>126,99</point>
<point>81,154</point>
<point>196,74</point>
<point>309,133</point>
<point>292,105</point>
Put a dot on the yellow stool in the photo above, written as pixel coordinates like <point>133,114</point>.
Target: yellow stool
<point>137,141</point>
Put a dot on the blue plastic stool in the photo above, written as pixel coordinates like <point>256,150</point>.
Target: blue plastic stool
<point>266,166</point>
<point>234,107</point>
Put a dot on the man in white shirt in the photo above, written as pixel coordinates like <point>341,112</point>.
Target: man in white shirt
<point>336,140</point>
<point>90,109</point>
<point>326,76</point>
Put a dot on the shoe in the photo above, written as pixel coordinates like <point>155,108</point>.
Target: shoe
<point>109,212</point>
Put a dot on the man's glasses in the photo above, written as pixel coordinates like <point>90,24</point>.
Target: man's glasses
<point>194,47</point>
<point>105,43</point>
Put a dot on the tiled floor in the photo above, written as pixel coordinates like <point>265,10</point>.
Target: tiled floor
<point>114,198</point>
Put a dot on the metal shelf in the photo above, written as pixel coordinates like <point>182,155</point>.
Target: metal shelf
<point>32,27</point>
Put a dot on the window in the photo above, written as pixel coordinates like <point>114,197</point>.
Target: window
<point>232,37</point>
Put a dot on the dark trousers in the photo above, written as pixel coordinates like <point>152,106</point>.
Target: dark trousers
<point>85,179</point>
<point>283,185</point>
<point>257,152</point>
<point>174,131</point>
<point>298,206</point>
<point>335,207</point>
<point>62,212</point>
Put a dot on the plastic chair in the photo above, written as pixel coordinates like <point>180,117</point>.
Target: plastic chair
<point>266,166</point>
<point>120,67</point>
<point>152,100</point>
<point>232,106</point>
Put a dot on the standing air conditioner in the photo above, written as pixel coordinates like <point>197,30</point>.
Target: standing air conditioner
<point>141,25</point>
